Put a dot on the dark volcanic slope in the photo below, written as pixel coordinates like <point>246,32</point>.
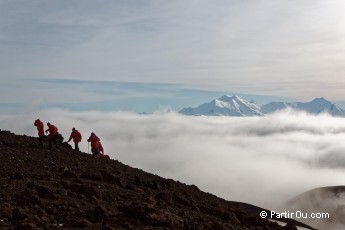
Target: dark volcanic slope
<point>65,189</point>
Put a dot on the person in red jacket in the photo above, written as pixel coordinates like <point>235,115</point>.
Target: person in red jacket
<point>76,136</point>
<point>101,152</point>
<point>40,128</point>
<point>94,144</point>
<point>53,132</point>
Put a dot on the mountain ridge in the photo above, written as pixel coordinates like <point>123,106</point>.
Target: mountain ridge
<point>228,105</point>
<point>67,189</point>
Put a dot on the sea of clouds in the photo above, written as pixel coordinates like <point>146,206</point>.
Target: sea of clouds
<point>259,160</point>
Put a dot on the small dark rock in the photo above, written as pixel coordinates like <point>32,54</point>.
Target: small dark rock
<point>80,223</point>
<point>290,226</point>
<point>30,184</point>
<point>181,200</point>
<point>18,214</point>
<point>51,210</point>
<point>108,176</point>
<point>166,196</point>
<point>6,210</point>
<point>62,191</point>
<point>99,212</point>
<point>26,224</point>
<point>44,192</point>
<point>17,176</point>
<point>89,191</point>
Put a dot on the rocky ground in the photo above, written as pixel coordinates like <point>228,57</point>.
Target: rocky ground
<point>65,189</point>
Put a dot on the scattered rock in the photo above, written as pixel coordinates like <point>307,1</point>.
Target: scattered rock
<point>17,176</point>
<point>44,192</point>
<point>62,191</point>
<point>18,214</point>
<point>67,189</point>
<point>99,213</point>
<point>6,210</point>
<point>81,223</point>
<point>290,226</point>
<point>27,224</point>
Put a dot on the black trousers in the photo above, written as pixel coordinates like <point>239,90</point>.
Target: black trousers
<point>95,151</point>
<point>76,147</point>
<point>53,139</point>
<point>41,139</point>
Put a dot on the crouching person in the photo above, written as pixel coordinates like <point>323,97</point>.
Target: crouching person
<point>101,152</point>
<point>53,131</point>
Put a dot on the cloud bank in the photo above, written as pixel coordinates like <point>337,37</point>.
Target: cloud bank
<point>260,160</point>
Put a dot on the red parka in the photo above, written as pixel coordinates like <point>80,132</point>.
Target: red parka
<point>101,151</point>
<point>52,130</point>
<point>40,127</point>
<point>76,136</point>
<point>94,141</point>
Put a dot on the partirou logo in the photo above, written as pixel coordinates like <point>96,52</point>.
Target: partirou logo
<point>263,214</point>
<point>294,215</point>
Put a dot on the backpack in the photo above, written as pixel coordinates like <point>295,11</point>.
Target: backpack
<point>59,137</point>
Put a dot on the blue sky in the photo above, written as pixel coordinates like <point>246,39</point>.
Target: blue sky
<point>86,95</point>
<point>290,49</point>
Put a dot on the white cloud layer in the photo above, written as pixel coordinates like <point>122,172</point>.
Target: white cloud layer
<point>260,160</point>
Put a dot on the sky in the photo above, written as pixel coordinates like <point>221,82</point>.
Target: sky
<point>291,49</point>
<point>264,161</point>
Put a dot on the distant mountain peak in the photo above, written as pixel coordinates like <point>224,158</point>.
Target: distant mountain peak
<point>228,105</point>
<point>228,98</point>
<point>321,100</point>
<point>225,106</point>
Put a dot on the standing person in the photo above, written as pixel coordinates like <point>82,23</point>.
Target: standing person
<point>53,131</point>
<point>40,128</point>
<point>94,144</point>
<point>76,138</point>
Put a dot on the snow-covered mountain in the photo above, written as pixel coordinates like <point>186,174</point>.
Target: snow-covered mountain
<point>236,106</point>
<point>225,106</point>
<point>316,106</point>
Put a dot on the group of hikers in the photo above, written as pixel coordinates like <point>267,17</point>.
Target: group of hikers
<point>56,138</point>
